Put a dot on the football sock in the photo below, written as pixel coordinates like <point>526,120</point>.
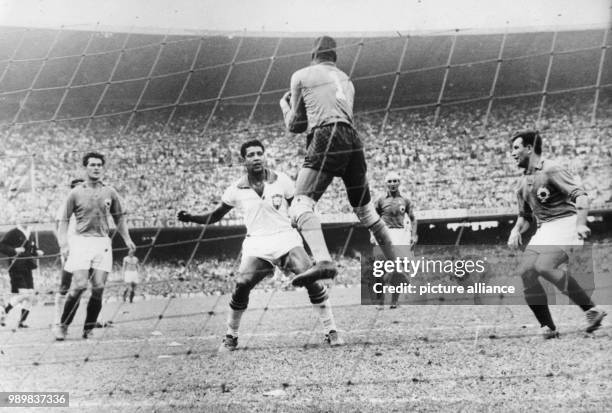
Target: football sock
<point>535,297</point>
<point>233,322</point>
<point>577,294</point>
<point>70,307</point>
<point>381,234</point>
<point>24,315</point>
<point>60,301</point>
<point>310,228</point>
<point>93,308</point>
<point>132,293</point>
<point>324,310</point>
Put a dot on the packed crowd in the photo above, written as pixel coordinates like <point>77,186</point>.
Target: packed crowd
<point>459,160</point>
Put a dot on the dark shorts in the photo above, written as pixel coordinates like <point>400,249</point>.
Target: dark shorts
<point>21,279</point>
<point>336,150</point>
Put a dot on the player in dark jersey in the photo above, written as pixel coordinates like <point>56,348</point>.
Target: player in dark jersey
<point>92,203</point>
<point>333,149</point>
<point>20,244</point>
<point>559,205</point>
<point>398,214</point>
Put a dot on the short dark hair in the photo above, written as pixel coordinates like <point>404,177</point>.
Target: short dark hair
<point>324,49</point>
<point>75,182</point>
<point>248,144</point>
<point>94,155</point>
<point>529,137</point>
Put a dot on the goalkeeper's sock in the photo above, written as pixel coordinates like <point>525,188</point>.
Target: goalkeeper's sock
<point>309,226</point>
<point>60,301</point>
<point>324,311</point>
<point>233,322</point>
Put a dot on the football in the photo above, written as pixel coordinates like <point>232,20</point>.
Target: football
<point>300,124</point>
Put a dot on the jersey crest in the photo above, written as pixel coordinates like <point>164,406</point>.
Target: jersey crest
<point>277,201</point>
<point>543,193</point>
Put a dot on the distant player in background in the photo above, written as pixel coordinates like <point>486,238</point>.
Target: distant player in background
<point>549,193</point>
<point>19,243</point>
<point>263,197</point>
<point>333,149</point>
<point>65,276</point>
<point>91,203</point>
<point>130,273</point>
<point>398,214</point>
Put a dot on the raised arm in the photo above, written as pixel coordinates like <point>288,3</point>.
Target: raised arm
<point>209,217</point>
<point>290,101</point>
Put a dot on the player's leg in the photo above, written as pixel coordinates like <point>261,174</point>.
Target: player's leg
<point>16,279</point>
<point>19,295</point>
<point>78,286</point>
<point>98,281</point>
<point>547,265</point>
<point>324,160</point>
<point>28,297</point>
<point>60,296</point>
<point>358,191</point>
<point>252,270</point>
<point>310,186</point>
<point>101,265</point>
<point>132,291</point>
<point>535,295</point>
<point>297,261</point>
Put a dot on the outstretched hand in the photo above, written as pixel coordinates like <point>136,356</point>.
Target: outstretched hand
<point>183,216</point>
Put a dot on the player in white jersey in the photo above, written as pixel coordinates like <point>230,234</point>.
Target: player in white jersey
<point>263,197</point>
<point>130,275</point>
<point>66,276</point>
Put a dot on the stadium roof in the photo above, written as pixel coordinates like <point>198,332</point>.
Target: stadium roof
<point>301,18</point>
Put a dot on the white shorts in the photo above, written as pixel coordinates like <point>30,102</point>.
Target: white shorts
<point>399,236</point>
<point>89,252</point>
<point>560,232</point>
<point>131,277</point>
<point>271,247</point>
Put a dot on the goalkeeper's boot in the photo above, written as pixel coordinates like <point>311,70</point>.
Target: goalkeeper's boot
<point>60,332</point>
<point>322,270</point>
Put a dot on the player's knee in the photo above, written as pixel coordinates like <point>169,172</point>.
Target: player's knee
<point>301,205</point>
<point>240,297</point>
<point>317,292</point>
<point>541,267</point>
<point>359,196</point>
<point>367,215</point>
<point>530,279</point>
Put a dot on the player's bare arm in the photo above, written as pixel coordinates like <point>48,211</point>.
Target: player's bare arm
<point>207,218</point>
<point>414,238</point>
<point>522,225</point>
<point>125,234</point>
<point>62,231</point>
<point>582,211</point>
